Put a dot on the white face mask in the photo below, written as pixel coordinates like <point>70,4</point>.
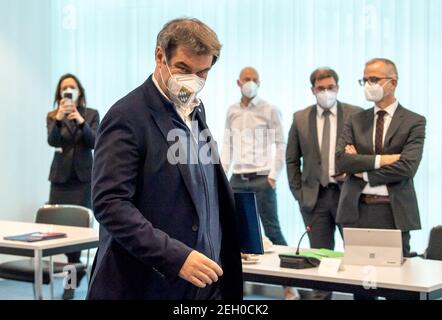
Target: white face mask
<point>326,99</point>
<point>374,92</point>
<point>250,89</point>
<point>72,94</point>
<point>183,88</point>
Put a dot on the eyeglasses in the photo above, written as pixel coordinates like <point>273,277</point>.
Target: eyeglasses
<point>330,88</point>
<point>371,80</point>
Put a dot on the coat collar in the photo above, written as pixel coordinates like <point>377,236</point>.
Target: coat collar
<point>368,126</point>
<point>165,116</point>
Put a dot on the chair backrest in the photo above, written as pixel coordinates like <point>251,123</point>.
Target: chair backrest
<point>434,250</point>
<point>65,215</point>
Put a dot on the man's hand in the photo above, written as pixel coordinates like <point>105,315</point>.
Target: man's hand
<point>340,178</point>
<point>350,149</point>
<point>388,159</point>
<point>272,182</point>
<point>200,270</point>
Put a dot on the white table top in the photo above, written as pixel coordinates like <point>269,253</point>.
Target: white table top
<point>416,274</point>
<point>75,235</point>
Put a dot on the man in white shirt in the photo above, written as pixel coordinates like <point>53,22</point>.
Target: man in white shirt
<point>253,127</point>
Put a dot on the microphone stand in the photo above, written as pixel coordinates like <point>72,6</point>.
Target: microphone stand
<point>297,261</point>
<point>308,229</point>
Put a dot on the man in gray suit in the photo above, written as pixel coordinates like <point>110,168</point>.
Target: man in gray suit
<point>380,150</point>
<point>310,157</point>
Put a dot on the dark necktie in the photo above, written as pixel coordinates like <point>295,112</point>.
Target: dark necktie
<point>325,149</point>
<point>379,132</point>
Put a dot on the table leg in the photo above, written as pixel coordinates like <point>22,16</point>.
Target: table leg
<point>88,267</point>
<point>51,276</point>
<point>38,275</point>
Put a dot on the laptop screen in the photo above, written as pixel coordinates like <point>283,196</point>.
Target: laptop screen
<point>248,223</point>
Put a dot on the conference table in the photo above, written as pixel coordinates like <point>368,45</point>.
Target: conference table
<point>416,279</point>
<point>77,239</point>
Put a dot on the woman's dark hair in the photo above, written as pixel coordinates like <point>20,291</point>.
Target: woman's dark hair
<point>58,97</point>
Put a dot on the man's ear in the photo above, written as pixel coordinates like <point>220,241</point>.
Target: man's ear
<point>313,91</point>
<point>159,56</point>
<point>238,83</point>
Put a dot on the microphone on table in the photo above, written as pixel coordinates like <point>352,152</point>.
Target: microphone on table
<point>298,261</point>
<point>307,230</point>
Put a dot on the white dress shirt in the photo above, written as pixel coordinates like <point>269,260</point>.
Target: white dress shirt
<point>380,190</point>
<point>333,117</point>
<point>251,132</point>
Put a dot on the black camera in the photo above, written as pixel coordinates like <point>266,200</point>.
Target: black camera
<point>67,95</point>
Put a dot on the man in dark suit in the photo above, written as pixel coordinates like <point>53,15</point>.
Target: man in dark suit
<point>166,211</point>
<point>380,150</point>
<point>310,158</point>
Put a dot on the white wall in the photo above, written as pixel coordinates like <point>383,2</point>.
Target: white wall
<point>109,44</point>
<point>25,98</point>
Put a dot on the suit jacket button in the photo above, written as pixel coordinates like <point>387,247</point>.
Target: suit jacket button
<point>195,228</point>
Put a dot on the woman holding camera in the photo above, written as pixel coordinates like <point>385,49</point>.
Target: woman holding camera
<point>71,131</point>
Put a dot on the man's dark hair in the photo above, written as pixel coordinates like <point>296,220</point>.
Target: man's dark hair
<point>191,34</point>
<point>323,73</point>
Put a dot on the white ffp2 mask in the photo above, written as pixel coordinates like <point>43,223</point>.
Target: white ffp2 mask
<point>250,89</point>
<point>183,88</point>
<point>374,92</point>
<point>326,99</point>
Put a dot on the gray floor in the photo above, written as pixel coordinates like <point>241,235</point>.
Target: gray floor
<point>15,290</point>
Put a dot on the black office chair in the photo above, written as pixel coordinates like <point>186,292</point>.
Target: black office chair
<point>434,249</point>
<point>65,215</point>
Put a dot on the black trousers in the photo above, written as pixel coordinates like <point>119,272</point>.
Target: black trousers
<point>322,219</point>
<point>209,293</point>
<point>378,216</point>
